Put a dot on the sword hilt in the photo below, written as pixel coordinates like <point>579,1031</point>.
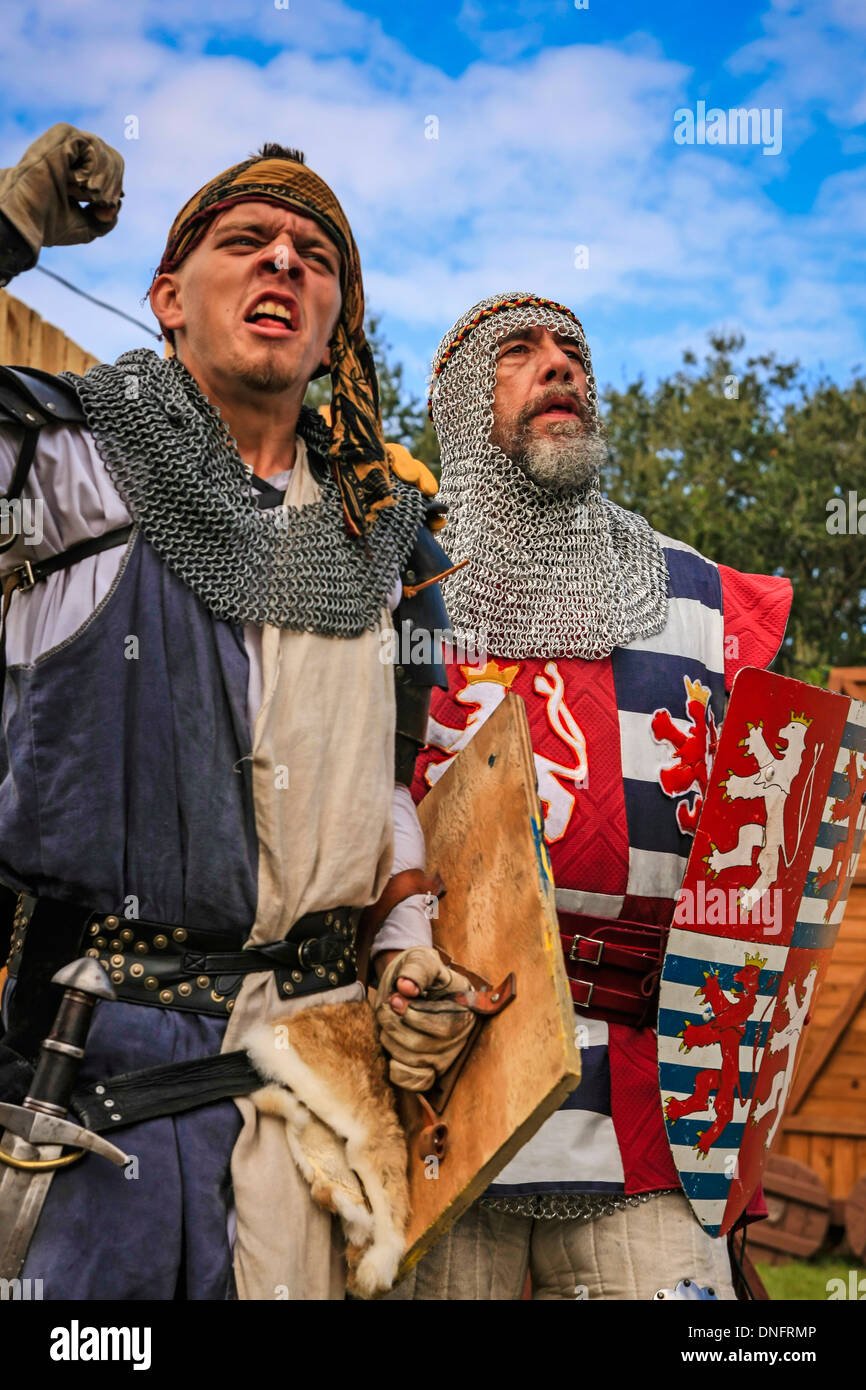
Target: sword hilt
<point>36,1128</point>
<point>63,1049</point>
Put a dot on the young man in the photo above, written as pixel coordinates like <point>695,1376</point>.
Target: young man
<point>199,732</point>
<point>599,624</point>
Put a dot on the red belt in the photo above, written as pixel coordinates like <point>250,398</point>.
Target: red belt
<point>613,968</point>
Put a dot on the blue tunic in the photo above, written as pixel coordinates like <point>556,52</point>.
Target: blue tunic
<point>125,779</point>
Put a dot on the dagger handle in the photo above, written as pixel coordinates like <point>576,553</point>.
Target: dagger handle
<point>61,1054</point>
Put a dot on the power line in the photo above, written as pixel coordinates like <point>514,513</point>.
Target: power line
<point>101,302</point>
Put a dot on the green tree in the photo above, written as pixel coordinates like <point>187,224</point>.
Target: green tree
<point>740,458</point>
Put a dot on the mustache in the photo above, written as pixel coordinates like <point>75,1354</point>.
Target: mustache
<point>558,393</point>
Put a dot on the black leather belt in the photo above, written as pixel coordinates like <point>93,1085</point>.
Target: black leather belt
<point>172,967</point>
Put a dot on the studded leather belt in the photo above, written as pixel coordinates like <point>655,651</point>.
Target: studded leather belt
<point>613,967</point>
<point>174,967</point>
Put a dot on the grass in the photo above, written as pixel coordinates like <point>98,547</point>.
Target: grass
<point>807,1280</point>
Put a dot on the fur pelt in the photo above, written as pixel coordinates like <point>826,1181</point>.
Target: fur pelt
<point>341,1127</point>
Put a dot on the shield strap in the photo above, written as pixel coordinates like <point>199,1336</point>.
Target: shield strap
<point>613,968</point>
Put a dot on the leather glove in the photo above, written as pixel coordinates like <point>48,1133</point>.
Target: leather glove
<point>411,470</point>
<point>424,1041</point>
<point>40,196</point>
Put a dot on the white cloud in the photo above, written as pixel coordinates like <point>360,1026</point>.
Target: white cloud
<point>571,146</point>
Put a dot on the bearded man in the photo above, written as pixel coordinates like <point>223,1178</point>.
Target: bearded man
<point>602,626</point>
<point>197,777</point>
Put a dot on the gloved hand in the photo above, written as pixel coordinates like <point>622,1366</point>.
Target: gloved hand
<point>63,168</point>
<point>411,470</point>
<point>425,1038</point>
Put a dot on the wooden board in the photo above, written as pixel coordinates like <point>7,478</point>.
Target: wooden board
<point>483,828</point>
<point>855,1220</point>
<point>799,1207</point>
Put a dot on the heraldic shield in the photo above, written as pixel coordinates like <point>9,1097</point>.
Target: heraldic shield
<point>765,888</point>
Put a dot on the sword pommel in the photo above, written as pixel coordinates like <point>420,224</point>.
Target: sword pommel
<point>87,975</point>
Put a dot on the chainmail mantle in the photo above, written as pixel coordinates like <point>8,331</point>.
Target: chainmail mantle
<point>550,574</point>
<point>171,457</point>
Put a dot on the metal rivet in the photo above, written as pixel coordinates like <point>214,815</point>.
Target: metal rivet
<point>116,1117</point>
<point>333,978</point>
<point>341,964</point>
<point>297,976</point>
<point>116,961</point>
<point>184,989</point>
<point>28,416</point>
<point>117,977</point>
<point>127,934</point>
<point>203,981</point>
<point>320,971</point>
<point>137,969</point>
<point>166,996</point>
<point>117,944</point>
<point>49,405</point>
<point>410,576</point>
<point>109,1104</point>
<point>229,1005</point>
<point>179,934</point>
<point>102,942</point>
<point>160,942</point>
<point>94,930</point>
<point>111,923</point>
<point>329,917</point>
<point>288,987</point>
<point>140,948</point>
<point>92,952</point>
<point>217,998</point>
<point>399,672</point>
<point>100,1090</point>
<point>151,982</point>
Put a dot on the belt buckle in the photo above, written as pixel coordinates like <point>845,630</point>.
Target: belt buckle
<point>28,580</point>
<point>590,985</point>
<point>302,953</point>
<point>596,942</point>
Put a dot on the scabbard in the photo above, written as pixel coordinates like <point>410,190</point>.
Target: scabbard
<point>169,1089</point>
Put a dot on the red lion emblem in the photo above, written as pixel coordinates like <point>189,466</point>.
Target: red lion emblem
<point>726,1027</point>
<point>694,751</point>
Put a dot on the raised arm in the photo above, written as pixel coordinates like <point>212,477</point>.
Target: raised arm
<point>65,189</point>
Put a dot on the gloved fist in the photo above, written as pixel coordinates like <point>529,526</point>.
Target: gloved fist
<point>65,167</point>
<point>424,1039</point>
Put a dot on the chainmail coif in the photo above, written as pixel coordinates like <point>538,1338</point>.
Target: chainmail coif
<point>551,574</point>
<point>171,457</point>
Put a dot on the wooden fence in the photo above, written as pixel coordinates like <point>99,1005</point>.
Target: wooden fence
<point>26,340</point>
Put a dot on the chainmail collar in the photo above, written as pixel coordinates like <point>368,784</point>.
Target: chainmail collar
<point>550,574</point>
<point>171,457</point>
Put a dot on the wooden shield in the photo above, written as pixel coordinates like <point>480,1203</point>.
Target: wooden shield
<point>483,829</point>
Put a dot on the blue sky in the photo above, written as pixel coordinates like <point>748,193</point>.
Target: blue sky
<point>555,130</point>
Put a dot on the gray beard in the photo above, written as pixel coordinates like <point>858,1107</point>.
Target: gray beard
<point>563,462</point>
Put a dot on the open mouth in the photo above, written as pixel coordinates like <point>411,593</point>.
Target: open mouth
<point>273,317</point>
<point>561,406</point>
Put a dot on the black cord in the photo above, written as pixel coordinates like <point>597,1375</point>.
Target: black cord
<point>737,1263</point>
<point>101,302</point>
